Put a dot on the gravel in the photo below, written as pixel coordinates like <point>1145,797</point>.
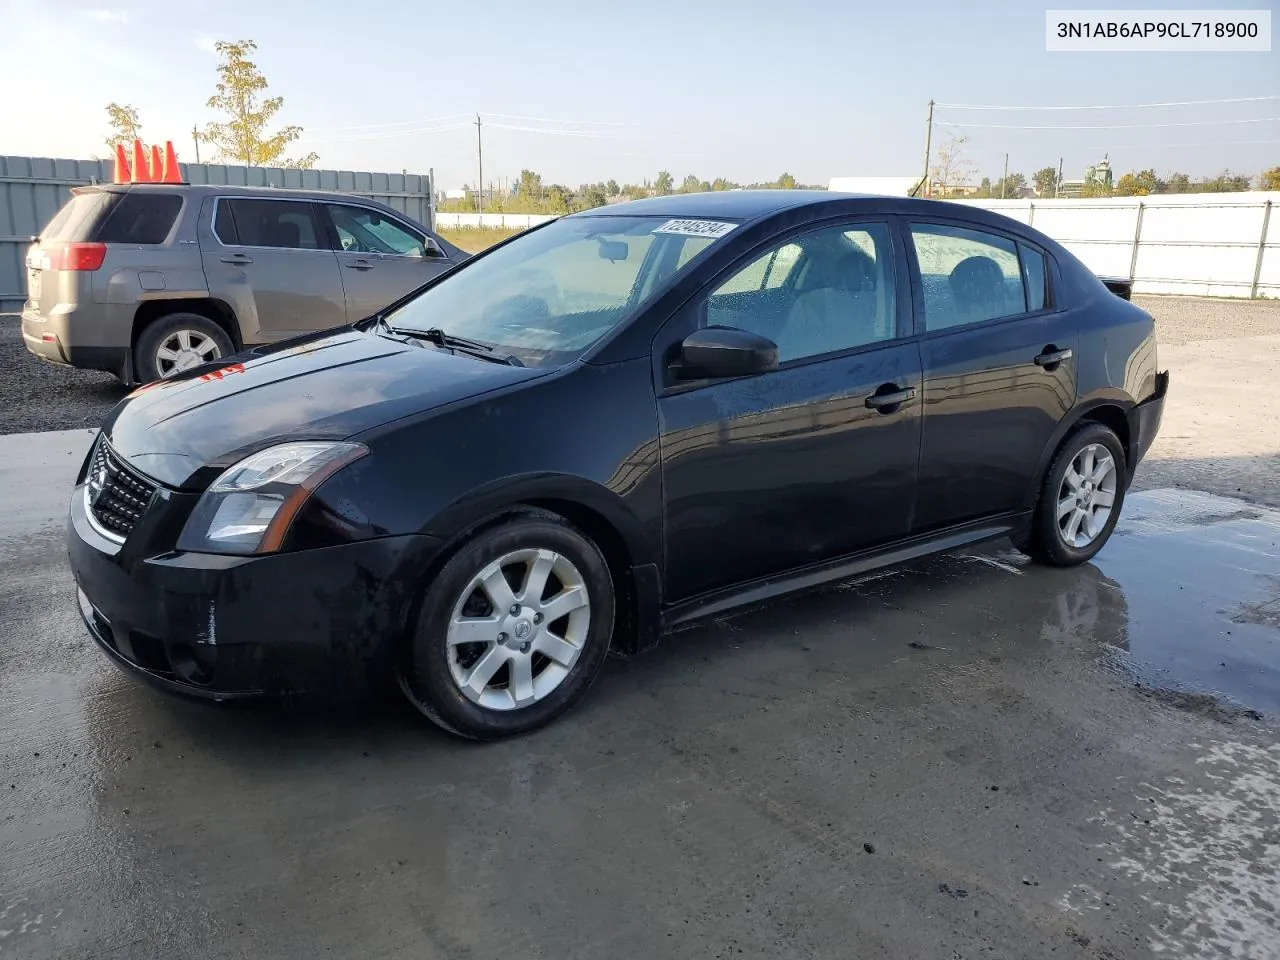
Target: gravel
<point>40,396</point>
<point>35,395</point>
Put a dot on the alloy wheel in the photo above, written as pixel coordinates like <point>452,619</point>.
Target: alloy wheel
<point>518,628</point>
<point>1086,496</point>
<point>184,349</point>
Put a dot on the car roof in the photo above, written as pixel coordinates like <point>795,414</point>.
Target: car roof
<point>747,205</point>
<point>227,190</point>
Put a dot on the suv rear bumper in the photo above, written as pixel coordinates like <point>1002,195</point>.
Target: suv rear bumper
<point>98,341</point>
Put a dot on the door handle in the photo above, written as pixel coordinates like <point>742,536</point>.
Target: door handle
<point>360,264</point>
<point>1051,357</point>
<point>237,258</point>
<point>889,401</point>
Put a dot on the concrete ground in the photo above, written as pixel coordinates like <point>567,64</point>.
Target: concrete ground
<point>968,758</point>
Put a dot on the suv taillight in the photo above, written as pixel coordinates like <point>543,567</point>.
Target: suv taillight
<point>74,256</point>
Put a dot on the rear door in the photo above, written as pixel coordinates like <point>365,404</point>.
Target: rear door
<point>382,258</point>
<point>999,369</point>
<point>270,260</point>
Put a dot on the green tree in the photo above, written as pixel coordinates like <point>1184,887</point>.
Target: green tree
<point>786,182</point>
<point>557,200</point>
<point>952,167</point>
<point>984,188</point>
<point>1010,187</point>
<point>243,137</point>
<point>1270,179</point>
<point>690,184</point>
<point>663,184</point>
<point>1178,183</point>
<point>1225,182</point>
<point>1046,181</point>
<point>590,195</point>
<point>720,183</point>
<point>529,185</point>
<point>612,188</point>
<point>1095,188</point>
<point>125,125</point>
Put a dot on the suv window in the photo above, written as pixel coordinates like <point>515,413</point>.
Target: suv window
<point>968,276</point>
<point>77,218</point>
<point>826,291</point>
<point>140,218</point>
<point>287,224</point>
<point>1036,276</point>
<point>361,230</point>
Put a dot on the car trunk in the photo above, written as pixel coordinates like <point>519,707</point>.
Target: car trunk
<point>49,279</point>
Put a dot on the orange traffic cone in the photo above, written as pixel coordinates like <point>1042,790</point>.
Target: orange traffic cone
<point>171,174</point>
<point>155,163</point>
<point>122,166</point>
<point>139,164</point>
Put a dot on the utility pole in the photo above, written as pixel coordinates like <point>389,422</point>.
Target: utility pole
<point>1005,179</point>
<point>195,138</point>
<point>1057,187</point>
<point>480,166</point>
<point>928,143</point>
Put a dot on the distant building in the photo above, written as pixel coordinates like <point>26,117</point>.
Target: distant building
<point>882,186</point>
<point>1098,175</point>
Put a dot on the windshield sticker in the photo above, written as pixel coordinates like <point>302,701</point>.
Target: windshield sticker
<point>696,228</point>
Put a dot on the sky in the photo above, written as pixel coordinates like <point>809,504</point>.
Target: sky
<point>590,91</point>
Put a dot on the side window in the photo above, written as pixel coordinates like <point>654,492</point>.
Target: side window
<point>826,291</point>
<point>1036,277</point>
<point>270,223</point>
<point>968,275</point>
<point>140,218</point>
<point>361,230</point>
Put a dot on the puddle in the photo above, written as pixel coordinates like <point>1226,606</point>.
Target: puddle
<point>1200,580</point>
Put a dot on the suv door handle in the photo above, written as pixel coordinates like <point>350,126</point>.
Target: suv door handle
<point>889,397</point>
<point>361,264</point>
<point>237,258</point>
<point>1051,357</point>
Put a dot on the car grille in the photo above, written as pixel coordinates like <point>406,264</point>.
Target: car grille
<point>117,497</point>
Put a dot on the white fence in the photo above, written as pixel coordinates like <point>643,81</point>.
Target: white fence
<point>510,221</point>
<point>1206,244</point>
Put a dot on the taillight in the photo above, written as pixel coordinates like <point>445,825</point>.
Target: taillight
<point>74,256</point>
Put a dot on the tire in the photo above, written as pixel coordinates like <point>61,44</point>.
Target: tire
<point>436,669</point>
<point>168,332</point>
<point>1047,540</point>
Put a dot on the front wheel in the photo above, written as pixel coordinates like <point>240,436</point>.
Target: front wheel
<point>1080,498</point>
<point>512,631</point>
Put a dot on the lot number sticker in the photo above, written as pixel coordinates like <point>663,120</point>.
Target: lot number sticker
<point>696,228</point>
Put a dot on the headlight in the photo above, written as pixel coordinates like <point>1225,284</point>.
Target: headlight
<point>249,507</point>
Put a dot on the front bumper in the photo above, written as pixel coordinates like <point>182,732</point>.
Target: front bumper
<point>321,622</point>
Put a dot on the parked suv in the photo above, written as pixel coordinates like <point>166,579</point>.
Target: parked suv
<point>148,280</point>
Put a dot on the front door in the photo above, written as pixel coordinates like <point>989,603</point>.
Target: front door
<point>271,261</point>
<point>804,463</point>
<point>999,371</point>
<point>382,259</point>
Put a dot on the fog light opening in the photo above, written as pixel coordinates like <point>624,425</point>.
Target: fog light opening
<point>191,665</point>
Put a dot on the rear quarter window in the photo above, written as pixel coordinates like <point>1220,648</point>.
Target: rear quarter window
<point>140,218</point>
<point>78,217</point>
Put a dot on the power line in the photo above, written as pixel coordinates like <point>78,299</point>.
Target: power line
<point>558,133</point>
<point>383,135</point>
<point>396,123</point>
<point>1113,106</point>
<point>580,123</point>
<point>1110,126</point>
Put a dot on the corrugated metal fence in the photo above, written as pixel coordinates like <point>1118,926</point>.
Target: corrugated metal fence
<point>32,189</point>
<point>1205,244</point>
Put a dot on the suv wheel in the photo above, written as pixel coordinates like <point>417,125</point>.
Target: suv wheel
<point>512,631</point>
<point>178,342</point>
<point>1080,498</point>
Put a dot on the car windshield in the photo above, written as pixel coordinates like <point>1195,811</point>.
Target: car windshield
<point>548,296</point>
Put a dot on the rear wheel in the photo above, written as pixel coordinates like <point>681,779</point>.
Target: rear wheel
<point>178,342</point>
<point>512,631</point>
<point>1080,498</point>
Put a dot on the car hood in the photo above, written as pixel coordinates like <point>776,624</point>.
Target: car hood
<point>326,386</point>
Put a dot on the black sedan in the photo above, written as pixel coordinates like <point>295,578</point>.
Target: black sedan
<point>603,428</point>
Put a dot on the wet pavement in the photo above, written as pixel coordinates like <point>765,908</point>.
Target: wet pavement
<point>971,757</point>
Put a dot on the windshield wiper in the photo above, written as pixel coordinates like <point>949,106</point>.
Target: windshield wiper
<point>473,347</point>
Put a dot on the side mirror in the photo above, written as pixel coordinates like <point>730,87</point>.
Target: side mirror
<point>433,249</point>
<point>715,352</point>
